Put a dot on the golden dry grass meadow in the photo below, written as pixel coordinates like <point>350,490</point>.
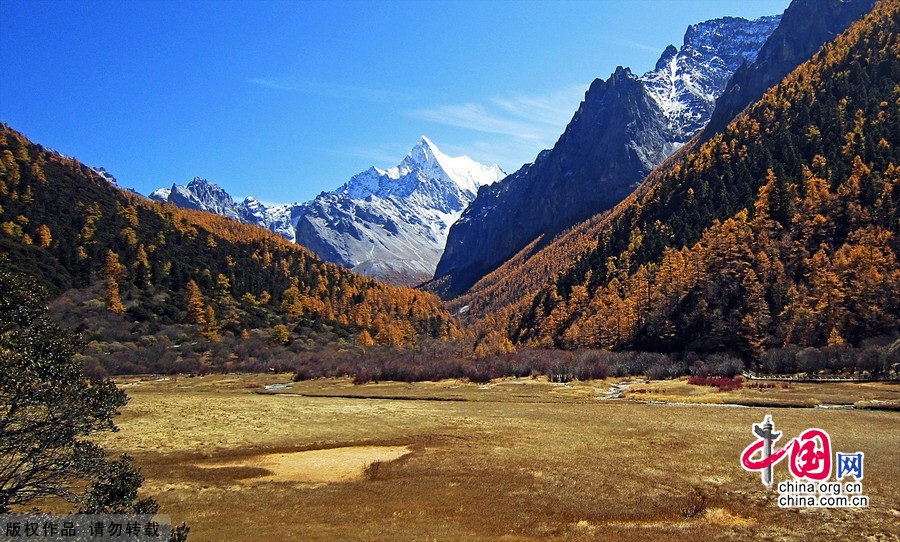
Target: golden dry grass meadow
<point>514,460</point>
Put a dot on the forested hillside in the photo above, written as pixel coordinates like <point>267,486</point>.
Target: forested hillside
<point>781,230</point>
<point>149,265</point>
<point>804,28</point>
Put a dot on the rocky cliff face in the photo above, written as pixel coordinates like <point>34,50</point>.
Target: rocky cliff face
<point>203,195</point>
<point>625,127</point>
<point>686,81</point>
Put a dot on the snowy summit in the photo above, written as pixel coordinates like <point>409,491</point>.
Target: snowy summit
<point>686,82</point>
<point>390,224</point>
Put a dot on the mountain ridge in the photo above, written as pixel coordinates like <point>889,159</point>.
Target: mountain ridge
<point>618,134</point>
<point>387,223</point>
<point>809,24</point>
<point>144,268</point>
<point>203,195</point>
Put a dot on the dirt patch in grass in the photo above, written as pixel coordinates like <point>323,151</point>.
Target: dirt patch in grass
<point>346,464</point>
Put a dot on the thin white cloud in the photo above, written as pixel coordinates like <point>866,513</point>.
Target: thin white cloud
<point>638,45</point>
<point>478,118</point>
<point>551,110</point>
<point>271,83</point>
<point>509,130</point>
<point>535,119</point>
<point>351,92</point>
<point>383,155</point>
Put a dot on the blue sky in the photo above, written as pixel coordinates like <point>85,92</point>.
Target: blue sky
<point>282,100</point>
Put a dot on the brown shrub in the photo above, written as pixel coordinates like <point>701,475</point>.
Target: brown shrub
<point>374,471</point>
<point>693,504</point>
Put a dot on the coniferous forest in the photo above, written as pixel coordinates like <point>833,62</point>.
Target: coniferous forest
<point>781,231</point>
<point>124,269</point>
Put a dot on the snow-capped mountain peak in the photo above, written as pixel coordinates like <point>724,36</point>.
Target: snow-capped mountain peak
<point>391,224</point>
<point>424,161</point>
<point>465,173</point>
<point>161,194</point>
<point>253,205</point>
<point>686,82</point>
<point>107,176</point>
<point>424,151</point>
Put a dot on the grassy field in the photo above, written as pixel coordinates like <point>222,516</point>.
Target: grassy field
<point>511,460</point>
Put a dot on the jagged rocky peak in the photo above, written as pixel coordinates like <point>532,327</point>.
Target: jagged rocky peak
<point>201,195</point>
<point>686,82</point>
<point>423,164</point>
<point>208,192</point>
<point>392,223</point>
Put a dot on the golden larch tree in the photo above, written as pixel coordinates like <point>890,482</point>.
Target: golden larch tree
<point>112,270</point>
<point>196,308</point>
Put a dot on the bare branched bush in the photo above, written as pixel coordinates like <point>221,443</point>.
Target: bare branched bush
<point>693,504</point>
<point>374,471</point>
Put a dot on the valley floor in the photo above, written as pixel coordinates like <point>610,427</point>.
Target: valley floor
<point>518,459</point>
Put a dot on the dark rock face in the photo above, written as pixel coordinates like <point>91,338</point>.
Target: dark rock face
<point>805,26</point>
<point>624,128</point>
<point>615,138</point>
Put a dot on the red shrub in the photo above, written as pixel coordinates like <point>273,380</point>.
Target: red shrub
<point>723,383</point>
